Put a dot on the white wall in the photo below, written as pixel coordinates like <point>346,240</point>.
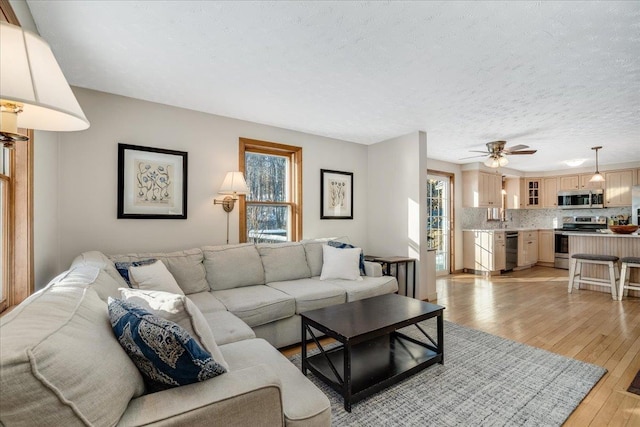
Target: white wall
<point>45,209</point>
<point>394,197</point>
<point>88,177</point>
<point>455,169</point>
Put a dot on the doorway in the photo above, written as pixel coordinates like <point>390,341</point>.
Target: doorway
<point>439,219</point>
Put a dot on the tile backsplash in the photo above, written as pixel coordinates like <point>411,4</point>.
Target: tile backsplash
<point>476,218</point>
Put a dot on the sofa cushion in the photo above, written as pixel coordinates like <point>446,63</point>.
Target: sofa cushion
<point>309,294</point>
<point>303,402</point>
<point>227,327</point>
<point>367,288</point>
<point>154,276</point>
<point>313,251</point>
<point>233,266</point>
<point>180,310</point>
<point>283,261</point>
<point>206,302</point>
<point>340,263</point>
<point>257,305</point>
<point>166,355</point>
<point>51,344</point>
<point>99,260</point>
<point>185,266</point>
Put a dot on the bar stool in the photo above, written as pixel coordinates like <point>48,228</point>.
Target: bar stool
<point>575,269</point>
<point>628,262</point>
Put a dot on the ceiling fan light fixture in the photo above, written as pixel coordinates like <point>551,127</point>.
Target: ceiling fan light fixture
<point>496,161</point>
<point>597,177</point>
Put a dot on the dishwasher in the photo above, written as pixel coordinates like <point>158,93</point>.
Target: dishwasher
<point>511,261</point>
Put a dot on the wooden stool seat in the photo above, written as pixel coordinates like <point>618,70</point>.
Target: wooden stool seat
<point>596,257</point>
<point>575,271</point>
<point>628,262</point>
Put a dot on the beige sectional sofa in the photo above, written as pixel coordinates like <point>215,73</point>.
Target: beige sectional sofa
<point>61,364</point>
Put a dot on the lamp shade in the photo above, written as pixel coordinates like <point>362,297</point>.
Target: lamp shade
<point>31,76</point>
<point>234,183</point>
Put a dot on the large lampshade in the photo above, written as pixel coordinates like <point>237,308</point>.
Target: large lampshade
<point>234,183</point>
<point>32,84</point>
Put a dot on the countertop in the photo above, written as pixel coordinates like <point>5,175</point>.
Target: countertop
<point>632,235</point>
<point>507,229</point>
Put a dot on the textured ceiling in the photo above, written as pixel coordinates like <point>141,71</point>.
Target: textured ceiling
<point>558,76</point>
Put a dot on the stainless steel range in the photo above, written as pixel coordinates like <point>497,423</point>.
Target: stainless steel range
<point>578,224</point>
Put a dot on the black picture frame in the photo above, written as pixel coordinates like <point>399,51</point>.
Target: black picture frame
<point>336,194</point>
<point>152,183</point>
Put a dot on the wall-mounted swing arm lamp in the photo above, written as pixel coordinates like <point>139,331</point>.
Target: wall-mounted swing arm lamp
<point>233,185</point>
<point>33,91</point>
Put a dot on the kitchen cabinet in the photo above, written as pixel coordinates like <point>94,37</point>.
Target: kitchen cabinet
<point>527,248</point>
<point>481,189</point>
<point>550,192</point>
<point>584,182</point>
<point>533,196</point>
<point>638,177</point>
<point>569,182</point>
<point>618,187</point>
<point>512,187</point>
<point>546,246</point>
<point>484,251</point>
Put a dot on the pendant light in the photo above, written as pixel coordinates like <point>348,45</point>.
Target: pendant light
<point>597,177</point>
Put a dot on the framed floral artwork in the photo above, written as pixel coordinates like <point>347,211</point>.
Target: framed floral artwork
<point>336,194</point>
<point>152,183</point>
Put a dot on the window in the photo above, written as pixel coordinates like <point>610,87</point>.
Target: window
<point>5,185</point>
<point>272,211</point>
<point>16,210</point>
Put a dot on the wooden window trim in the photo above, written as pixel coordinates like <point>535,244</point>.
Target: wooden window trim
<point>295,185</point>
<point>20,264</point>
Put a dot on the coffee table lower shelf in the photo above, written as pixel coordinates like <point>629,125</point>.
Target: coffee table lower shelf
<point>374,364</point>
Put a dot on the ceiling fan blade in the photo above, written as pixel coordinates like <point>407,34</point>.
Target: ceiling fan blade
<point>473,157</point>
<point>478,151</point>
<point>517,147</point>
<point>511,153</point>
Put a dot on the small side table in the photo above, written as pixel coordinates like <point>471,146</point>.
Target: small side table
<point>388,261</point>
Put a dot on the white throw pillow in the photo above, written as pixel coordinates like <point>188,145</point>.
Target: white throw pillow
<point>178,309</point>
<point>154,277</point>
<point>340,263</point>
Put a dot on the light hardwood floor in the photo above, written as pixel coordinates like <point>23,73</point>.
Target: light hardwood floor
<point>533,307</point>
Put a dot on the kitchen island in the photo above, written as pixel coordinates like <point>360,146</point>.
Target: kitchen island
<point>620,245</point>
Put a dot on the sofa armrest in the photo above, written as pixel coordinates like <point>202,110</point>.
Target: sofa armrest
<point>246,397</point>
<point>372,269</point>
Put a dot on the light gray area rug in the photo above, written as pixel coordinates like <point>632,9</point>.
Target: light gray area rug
<point>485,381</point>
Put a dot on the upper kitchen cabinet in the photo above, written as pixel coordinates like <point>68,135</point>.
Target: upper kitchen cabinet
<point>584,182</point>
<point>514,187</point>
<point>550,192</point>
<point>533,192</point>
<point>481,189</point>
<point>618,187</point>
<point>569,182</point>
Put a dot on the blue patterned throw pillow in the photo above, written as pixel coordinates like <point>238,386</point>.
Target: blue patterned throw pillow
<point>342,245</point>
<point>123,268</point>
<point>164,353</point>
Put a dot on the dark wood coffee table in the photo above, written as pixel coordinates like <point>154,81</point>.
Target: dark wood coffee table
<point>373,354</point>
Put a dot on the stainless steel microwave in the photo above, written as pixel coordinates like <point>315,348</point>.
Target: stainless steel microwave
<point>581,199</point>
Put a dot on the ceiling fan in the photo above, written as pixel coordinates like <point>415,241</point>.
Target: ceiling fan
<point>497,152</point>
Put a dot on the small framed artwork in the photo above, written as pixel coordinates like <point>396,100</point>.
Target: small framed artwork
<point>336,194</point>
<point>152,183</point>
